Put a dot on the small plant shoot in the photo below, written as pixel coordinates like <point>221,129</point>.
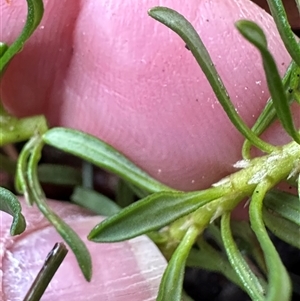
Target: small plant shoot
<point>175,220</point>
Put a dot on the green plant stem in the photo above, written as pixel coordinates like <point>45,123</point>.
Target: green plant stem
<point>236,187</point>
<point>15,130</point>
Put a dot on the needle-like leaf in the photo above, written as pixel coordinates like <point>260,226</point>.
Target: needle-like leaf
<point>67,233</point>
<point>171,283</point>
<point>151,213</point>
<point>250,282</point>
<point>268,115</point>
<point>255,35</point>
<point>28,183</point>
<point>185,30</point>
<point>284,28</point>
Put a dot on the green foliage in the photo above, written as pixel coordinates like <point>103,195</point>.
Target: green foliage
<point>101,154</point>
<point>279,284</point>
<point>171,283</point>
<point>27,183</point>
<point>185,30</point>
<point>10,204</point>
<point>254,34</point>
<point>96,202</point>
<point>250,281</point>
<point>151,213</point>
<point>34,16</point>
<point>281,216</point>
<point>176,220</point>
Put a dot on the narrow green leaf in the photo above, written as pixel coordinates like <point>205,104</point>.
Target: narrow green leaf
<point>27,183</point>
<point>151,213</point>
<point>268,115</point>
<point>279,284</point>
<point>255,35</point>
<point>284,28</point>
<point>248,242</point>
<point>34,16</point>
<point>94,201</point>
<point>11,205</point>
<point>294,89</point>
<point>171,283</point>
<point>67,233</point>
<point>185,30</point>
<point>251,283</point>
<point>101,154</point>
<point>21,184</point>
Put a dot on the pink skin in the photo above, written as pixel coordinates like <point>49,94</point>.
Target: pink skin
<point>106,68</point>
<point>119,270</point>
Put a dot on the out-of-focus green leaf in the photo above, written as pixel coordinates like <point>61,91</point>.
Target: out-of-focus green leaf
<point>101,154</point>
<point>7,165</point>
<point>151,213</point>
<point>255,35</point>
<point>11,205</point>
<point>34,16</point>
<point>59,174</point>
<point>185,30</point>
<point>94,201</point>
<point>124,195</point>
<point>171,283</point>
